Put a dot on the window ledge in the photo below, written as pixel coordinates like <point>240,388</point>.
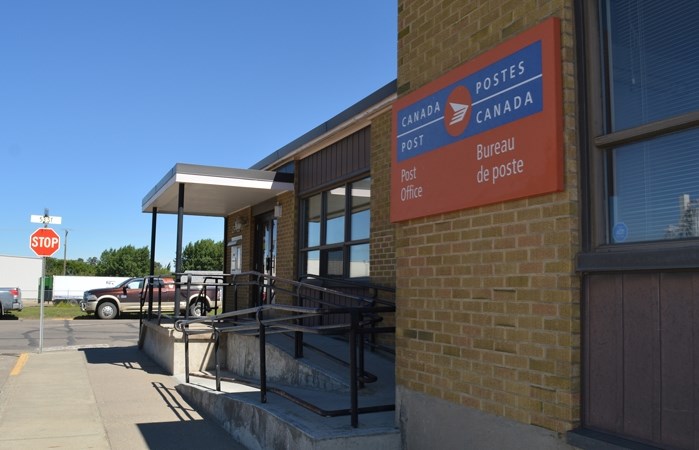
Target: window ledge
<point>589,439</point>
<point>612,260</point>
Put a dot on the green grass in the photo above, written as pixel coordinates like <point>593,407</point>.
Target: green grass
<point>59,311</point>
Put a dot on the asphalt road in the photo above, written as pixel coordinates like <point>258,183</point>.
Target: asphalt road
<point>18,336</point>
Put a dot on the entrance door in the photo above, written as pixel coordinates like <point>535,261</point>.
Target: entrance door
<point>265,259</point>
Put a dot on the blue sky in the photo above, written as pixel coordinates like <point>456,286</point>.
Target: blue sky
<point>99,99</point>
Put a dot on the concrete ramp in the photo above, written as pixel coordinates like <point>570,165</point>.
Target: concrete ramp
<point>282,424</point>
<point>320,379</point>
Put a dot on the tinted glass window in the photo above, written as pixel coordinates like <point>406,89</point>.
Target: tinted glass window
<point>337,224</point>
<point>653,59</point>
<point>313,221</point>
<point>655,192</point>
<point>335,263</point>
<point>359,260</point>
<point>312,262</point>
<point>335,216</point>
<point>651,63</point>
<point>361,214</point>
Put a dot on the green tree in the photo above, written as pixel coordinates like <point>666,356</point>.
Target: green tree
<point>127,261</point>
<point>112,263</point>
<point>160,270</point>
<point>80,267</point>
<point>54,266</point>
<point>204,254</point>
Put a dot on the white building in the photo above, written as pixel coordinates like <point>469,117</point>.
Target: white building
<point>23,272</point>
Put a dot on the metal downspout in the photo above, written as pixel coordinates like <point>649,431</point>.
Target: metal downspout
<point>153,228</point>
<point>178,257</point>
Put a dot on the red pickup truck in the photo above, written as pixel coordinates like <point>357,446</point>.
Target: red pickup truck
<point>108,303</point>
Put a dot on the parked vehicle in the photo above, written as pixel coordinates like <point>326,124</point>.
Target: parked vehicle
<point>70,288</point>
<point>10,300</point>
<point>108,303</point>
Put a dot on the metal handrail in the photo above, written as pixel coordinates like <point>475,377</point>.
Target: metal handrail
<point>273,317</point>
<point>343,282</point>
<point>377,294</point>
<point>216,281</point>
<point>147,297</point>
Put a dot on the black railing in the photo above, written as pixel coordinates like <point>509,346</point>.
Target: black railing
<point>282,306</point>
<point>374,293</point>
<point>203,294</point>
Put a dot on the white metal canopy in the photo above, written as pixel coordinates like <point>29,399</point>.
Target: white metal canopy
<point>214,191</point>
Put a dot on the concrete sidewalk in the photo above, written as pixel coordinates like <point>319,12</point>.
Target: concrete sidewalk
<point>99,398</point>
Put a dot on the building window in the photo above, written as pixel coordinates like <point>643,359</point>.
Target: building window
<point>647,141</point>
<point>654,194</point>
<point>336,231</point>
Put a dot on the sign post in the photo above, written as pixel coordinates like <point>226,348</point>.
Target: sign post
<point>44,242</point>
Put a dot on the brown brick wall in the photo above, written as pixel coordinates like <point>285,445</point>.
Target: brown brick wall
<point>383,254</point>
<point>287,241</point>
<point>286,246</point>
<point>489,303</point>
<point>383,233</point>
<point>246,232</point>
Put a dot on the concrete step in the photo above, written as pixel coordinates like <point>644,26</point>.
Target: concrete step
<point>282,424</point>
<point>318,379</point>
<point>331,354</point>
<point>324,365</point>
<point>325,403</point>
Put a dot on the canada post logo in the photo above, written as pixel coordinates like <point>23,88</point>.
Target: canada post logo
<point>503,92</point>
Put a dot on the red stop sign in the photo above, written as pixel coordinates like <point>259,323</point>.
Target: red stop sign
<point>44,242</point>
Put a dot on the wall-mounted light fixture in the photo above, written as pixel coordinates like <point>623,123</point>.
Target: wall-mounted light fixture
<point>239,223</point>
<point>277,211</point>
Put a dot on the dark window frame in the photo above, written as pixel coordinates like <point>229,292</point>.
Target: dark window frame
<point>598,254</point>
<point>323,248</point>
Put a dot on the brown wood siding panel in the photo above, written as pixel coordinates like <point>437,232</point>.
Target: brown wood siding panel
<point>678,348</point>
<point>336,163</point>
<point>695,363</point>
<point>604,368</point>
<point>642,356</point>
<point>353,151</point>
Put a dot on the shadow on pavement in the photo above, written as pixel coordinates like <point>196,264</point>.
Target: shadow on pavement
<point>122,316</point>
<point>161,416</point>
<point>189,432</point>
<point>169,435</point>
<point>85,317</point>
<point>127,357</point>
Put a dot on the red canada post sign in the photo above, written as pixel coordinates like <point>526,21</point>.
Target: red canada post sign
<point>489,131</point>
<point>44,242</point>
